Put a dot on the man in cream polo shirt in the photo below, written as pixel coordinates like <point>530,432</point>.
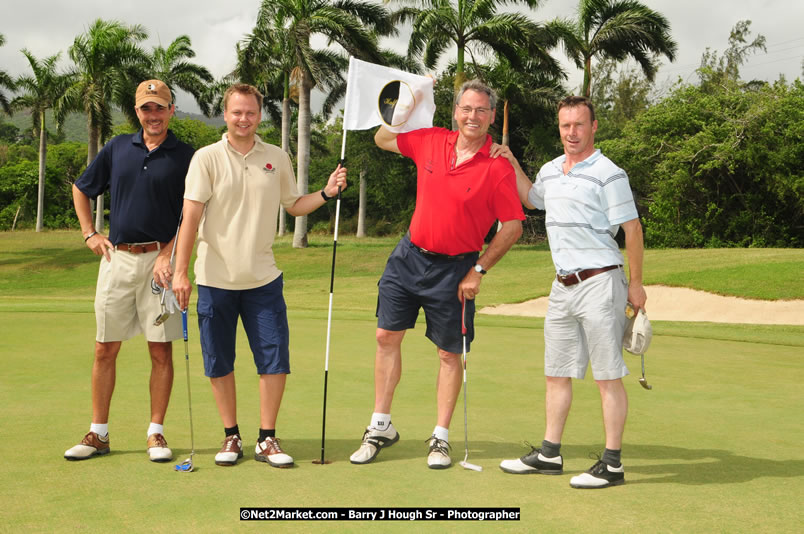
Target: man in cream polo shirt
<point>232,196</point>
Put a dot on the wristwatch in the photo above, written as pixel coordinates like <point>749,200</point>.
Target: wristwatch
<point>479,269</point>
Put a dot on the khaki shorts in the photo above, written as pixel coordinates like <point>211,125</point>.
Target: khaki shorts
<point>124,303</point>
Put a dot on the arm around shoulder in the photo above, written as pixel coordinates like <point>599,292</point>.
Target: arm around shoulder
<point>386,140</point>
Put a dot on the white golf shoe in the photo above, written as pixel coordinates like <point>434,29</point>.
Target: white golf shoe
<point>91,445</point>
<point>438,457</point>
<point>599,475</point>
<point>534,462</point>
<point>374,439</point>
<point>158,450</point>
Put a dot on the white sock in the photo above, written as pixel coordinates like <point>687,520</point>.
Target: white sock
<point>155,428</point>
<point>380,421</point>
<point>100,429</point>
<point>441,433</point>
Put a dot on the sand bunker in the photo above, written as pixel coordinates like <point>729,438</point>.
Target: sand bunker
<point>683,304</point>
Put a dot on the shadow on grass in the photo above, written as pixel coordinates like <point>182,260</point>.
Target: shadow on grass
<point>657,464</point>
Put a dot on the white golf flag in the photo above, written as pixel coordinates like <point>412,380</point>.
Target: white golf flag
<point>377,95</point>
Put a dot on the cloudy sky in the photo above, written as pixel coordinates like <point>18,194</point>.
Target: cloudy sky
<point>46,27</point>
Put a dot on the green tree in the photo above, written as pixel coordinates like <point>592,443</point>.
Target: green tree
<point>719,166</point>
<point>17,181</point>
<point>171,65</point>
<point>353,24</point>
<point>619,97</point>
<point>615,29</point>
<point>107,56</point>
<point>716,70</point>
<point>476,27</point>
<point>7,82</point>
<point>40,92</point>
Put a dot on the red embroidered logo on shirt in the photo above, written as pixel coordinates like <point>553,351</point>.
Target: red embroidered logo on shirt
<point>269,168</point>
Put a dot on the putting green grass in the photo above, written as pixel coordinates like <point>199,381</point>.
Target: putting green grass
<point>714,447</point>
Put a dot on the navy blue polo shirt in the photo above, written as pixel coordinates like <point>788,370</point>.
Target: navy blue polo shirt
<point>146,188</point>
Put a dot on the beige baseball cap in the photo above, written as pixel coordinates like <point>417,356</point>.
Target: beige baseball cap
<point>153,91</point>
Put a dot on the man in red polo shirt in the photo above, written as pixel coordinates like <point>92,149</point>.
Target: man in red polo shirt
<point>461,191</point>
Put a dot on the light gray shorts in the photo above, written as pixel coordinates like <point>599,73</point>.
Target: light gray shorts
<point>124,303</point>
<point>585,323</point>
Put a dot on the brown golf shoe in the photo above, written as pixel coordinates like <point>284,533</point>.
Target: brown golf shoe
<point>271,452</point>
<point>91,445</point>
<point>231,451</point>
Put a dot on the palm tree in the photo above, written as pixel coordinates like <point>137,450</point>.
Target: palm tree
<point>474,26</point>
<point>615,29</point>
<point>536,87</point>
<point>346,22</point>
<point>171,66</point>
<point>40,92</point>
<point>7,82</point>
<point>107,56</point>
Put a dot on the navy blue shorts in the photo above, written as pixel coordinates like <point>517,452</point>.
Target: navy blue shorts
<point>412,281</point>
<point>265,320</point>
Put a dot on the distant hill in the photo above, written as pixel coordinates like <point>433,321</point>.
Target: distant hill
<point>75,125</point>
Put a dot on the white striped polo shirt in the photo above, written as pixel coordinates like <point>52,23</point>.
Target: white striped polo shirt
<point>584,210</point>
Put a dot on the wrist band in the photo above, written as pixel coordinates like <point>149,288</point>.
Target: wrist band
<point>325,197</point>
<point>90,235</point>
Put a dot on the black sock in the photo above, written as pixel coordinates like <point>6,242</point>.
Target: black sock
<point>231,431</point>
<point>266,434</point>
<point>611,457</point>
<point>551,450</point>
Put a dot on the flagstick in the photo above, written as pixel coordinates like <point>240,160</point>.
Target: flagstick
<point>331,291</point>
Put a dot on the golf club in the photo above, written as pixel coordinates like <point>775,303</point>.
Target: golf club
<point>465,464</point>
<point>643,381</point>
<point>187,465</point>
<point>166,314</point>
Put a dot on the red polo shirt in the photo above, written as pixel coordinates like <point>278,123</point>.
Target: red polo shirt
<point>455,208</point>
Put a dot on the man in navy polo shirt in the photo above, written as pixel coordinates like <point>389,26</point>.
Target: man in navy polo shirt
<point>144,173</point>
<point>460,192</point>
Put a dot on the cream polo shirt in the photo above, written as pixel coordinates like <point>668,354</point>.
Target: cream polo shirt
<point>242,196</point>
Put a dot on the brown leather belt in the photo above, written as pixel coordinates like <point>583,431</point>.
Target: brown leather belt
<point>140,248</point>
<point>580,276</point>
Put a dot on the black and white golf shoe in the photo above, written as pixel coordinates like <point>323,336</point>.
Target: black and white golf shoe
<point>374,439</point>
<point>534,462</point>
<point>599,476</point>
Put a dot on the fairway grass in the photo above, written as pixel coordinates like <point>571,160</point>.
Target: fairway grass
<point>714,447</point>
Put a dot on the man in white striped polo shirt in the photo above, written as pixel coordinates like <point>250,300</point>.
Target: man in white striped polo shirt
<point>587,198</point>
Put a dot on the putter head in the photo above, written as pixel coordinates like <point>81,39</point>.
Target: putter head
<point>162,317</point>
<point>644,383</point>
<point>165,314</point>
<point>473,467</point>
<point>186,466</point>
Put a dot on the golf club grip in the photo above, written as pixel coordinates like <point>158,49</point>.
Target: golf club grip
<point>463,316</point>
<point>184,324</point>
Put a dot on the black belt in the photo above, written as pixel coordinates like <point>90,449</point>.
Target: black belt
<point>580,276</point>
<point>438,255</point>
